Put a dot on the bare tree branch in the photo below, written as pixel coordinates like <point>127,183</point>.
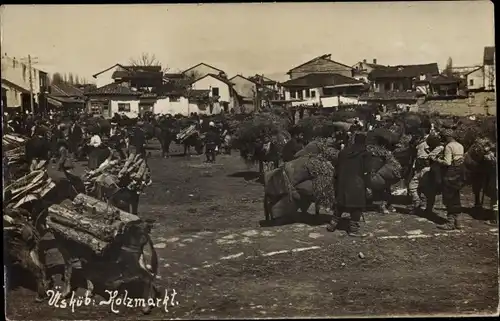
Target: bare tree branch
<point>145,60</point>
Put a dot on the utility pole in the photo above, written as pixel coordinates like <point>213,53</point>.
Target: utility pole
<point>30,63</point>
<point>31,85</point>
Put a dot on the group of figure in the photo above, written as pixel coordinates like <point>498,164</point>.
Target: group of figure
<point>437,154</point>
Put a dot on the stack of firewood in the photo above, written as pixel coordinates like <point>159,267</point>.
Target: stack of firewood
<point>90,222</point>
<point>186,133</point>
<point>30,187</point>
<point>132,173</point>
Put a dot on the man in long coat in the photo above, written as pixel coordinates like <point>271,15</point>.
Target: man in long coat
<point>352,174</point>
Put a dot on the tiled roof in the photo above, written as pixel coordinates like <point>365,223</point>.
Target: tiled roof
<point>66,99</point>
<point>230,84</point>
<point>443,80</point>
<point>114,89</point>
<point>317,80</point>
<point>390,95</point>
<point>65,90</point>
<point>144,68</point>
<point>173,75</point>
<point>136,74</point>
<point>404,71</point>
<point>489,55</point>
<point>202,63</point>
<point>322,57</point>
<point>265,80</point>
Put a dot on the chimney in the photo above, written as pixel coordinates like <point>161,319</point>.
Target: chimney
<point>374,61</point>
<point>364,61</point>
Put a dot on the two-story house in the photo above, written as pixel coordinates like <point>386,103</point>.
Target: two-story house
<point>274,88</point>
<point>402,78</point>
<point>200,70</point>
<point>309,89</point>
<point>321,64</point>
<point>221,90</point>
<point>19,81</point>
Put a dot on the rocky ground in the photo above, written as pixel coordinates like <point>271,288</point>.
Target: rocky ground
<point>223,264</point>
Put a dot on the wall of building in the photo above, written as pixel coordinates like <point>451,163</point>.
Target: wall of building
<point>318,92</point>
<point>134,106</point>
<point>105,78</point>
<point>319,66</point>
<point>208,83</point>
<point>475,105</point>
<point>18,73</point>
<point>12,96</point>
<point>475,80</point>
<point>181,105</point>
<point>489,77</point>
<point>244,87</point>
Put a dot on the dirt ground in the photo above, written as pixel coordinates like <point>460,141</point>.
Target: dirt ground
<point>223,264</point>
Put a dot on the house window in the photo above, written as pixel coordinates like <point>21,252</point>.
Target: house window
<point>293,94</point>
<point>174,99</point>
<point>215,91</point>
<point>124,107</point>
<point>307,93</point>
<point>471,82</point>
<point>313,94</point>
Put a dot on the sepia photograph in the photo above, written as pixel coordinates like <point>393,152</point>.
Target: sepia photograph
<point>249,160</point>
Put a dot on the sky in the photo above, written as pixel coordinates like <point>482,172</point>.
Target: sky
<point>247,39</point>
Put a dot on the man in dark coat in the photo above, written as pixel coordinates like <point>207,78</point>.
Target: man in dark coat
<point>212,139</point>
<point>75,139</point>
<point>37,148</point>
<point>138,140</point>
<point>352,174</point>
<point>293,146</point>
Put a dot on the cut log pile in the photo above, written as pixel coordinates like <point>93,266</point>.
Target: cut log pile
<point>32,186</point>
<point>132,173</point>
<point>186,133</point>
<point>90,222</point>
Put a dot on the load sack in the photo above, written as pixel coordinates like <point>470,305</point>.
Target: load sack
<point>300,182</point>
<point>389,173</point>
<point>90,222</point>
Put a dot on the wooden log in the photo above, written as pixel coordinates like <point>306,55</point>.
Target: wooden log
<point>86,239</point>
<point>71,218</point>
<point>102,207</point>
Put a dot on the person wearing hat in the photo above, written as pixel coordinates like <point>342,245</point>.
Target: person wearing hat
<point>75,138</point>
<point>352,171</point>
<point>453,179</point>
<point>212,140</point>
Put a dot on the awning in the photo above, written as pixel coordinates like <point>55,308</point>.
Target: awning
<point>345,85</point>
<point>54,102</point>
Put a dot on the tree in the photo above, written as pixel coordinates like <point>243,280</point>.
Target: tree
<point>147,60</point>
<point>71,79</point>
<point>448,71</point>
<point>193,75</point>
<point>77,80</point>
<point>57,78</point>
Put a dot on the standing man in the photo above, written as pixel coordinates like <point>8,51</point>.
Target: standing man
<point>212,141</point>
<point>453,179</point>
<point>75,139</point>
<point>351,187</point>
<point>138,140</point>
<point>38,149</point>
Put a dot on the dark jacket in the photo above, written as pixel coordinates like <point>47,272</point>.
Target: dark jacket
<point>37,148</point>
<point>352,171</point>
<point>212,137</point>
<point>76,134</point>
<point>291,148</point>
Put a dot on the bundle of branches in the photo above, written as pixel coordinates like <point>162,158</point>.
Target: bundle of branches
<point>316,126</point>
<point>391,170</point>
<point>132,173</point>
<point>90,222</point>
<point>323,148</point>
<point>323,174</point>
<point>33,186</point>
<point>345,115</point>
<point>263,127</point>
